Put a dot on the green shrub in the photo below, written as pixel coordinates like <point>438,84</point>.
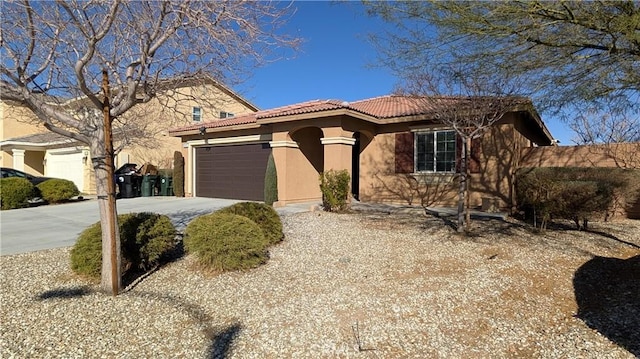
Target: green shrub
<point>57,190</point>
<point>270,182</point>
<point>225,242</point>
<point>145,238</point>
<point>178,174</point>
<point>86,254</point>
<point>576,194</point>
<point>263,215</point>
<point>335,190</point>
<point>15,192</point>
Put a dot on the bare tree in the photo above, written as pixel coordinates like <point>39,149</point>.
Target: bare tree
<point>54,55</point>
<point>615,134</point>
<point>567,54</point>
<point>469,105</point>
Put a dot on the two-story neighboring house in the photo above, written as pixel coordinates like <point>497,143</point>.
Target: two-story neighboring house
<point>26,145</point>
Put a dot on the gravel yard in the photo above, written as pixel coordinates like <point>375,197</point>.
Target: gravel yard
<point>361,285</point>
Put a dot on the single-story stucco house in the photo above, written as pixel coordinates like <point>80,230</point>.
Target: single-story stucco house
<point>393,148</point>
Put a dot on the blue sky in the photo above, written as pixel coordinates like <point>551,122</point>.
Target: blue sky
<point>334,62</point>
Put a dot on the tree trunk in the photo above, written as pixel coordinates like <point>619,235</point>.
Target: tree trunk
<point>467,212</point>
<point>110,276</point>
<point>462,189</point>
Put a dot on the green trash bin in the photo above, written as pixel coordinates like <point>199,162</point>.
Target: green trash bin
<point>148,185</point>
<point>166,186</point>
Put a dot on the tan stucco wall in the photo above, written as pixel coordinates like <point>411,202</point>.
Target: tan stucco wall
<point>498,159</point>
<point>623,155</point>
<point>174,109</point>
<point>299,159</point>
<point>34,162</point>
<point>304,149</point>
<point>17,121</point>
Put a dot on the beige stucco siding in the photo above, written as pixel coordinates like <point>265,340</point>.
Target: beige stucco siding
<point>380,183</point>
<point>174,109</point>
<point>623,155</point>
<point>17,121</point>
<point>620,155</point>
<point>299,159</point>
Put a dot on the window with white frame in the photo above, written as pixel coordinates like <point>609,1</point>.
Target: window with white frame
<point>435,151</point>
<point>196,115</point>
<point>224,114</point>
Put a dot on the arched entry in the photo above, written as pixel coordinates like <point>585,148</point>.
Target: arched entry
<point>308,140</point>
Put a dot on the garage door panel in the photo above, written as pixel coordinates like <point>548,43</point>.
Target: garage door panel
<point>66,165</point>
<point>235,172</point>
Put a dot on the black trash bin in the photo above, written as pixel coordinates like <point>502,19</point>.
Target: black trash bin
<point>128,181</point>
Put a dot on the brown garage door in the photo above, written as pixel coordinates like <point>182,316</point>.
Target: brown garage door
<point>234,172</point>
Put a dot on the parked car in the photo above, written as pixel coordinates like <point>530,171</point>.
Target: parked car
<point>10,172</point>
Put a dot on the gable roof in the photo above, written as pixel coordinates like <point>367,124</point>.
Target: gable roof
<point>162,85</point>
<point>379,110</point>
<point>41,141</point>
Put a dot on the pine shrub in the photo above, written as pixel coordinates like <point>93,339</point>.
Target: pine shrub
<point>271,182</point>
<point>57,190</point>
<point>178,174</point>
<point>263,215</point>
<point>335,190</point>
<point>145,239</point>
<point>15,192</point>
<point>86,254</point>
<point>225,242</point>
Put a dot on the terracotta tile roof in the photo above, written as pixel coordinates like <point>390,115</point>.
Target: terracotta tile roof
<point>381,108</point>
<point>295,109</point>
<point>388,106</point>
<point>301,108</point>
<point>227,122</point>
<point>378,107</point>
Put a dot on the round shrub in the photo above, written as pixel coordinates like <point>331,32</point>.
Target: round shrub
<point>263,215</point>
<point>225,242</point>
<point>145,238</point>
<point>86,254</point>
<point>57,190</point>
<point>15,192</point>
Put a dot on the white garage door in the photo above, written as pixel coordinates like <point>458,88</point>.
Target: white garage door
<point>67,165</point>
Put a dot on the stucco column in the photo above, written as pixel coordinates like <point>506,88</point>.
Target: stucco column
<point>337,152</point>
<point>18,159</point>
<point>281,145</point>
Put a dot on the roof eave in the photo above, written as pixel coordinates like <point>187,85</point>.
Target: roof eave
<point>192,132</point>
<point>319,114</point>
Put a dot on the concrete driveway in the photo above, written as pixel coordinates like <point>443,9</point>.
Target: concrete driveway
<point>53,226</point>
